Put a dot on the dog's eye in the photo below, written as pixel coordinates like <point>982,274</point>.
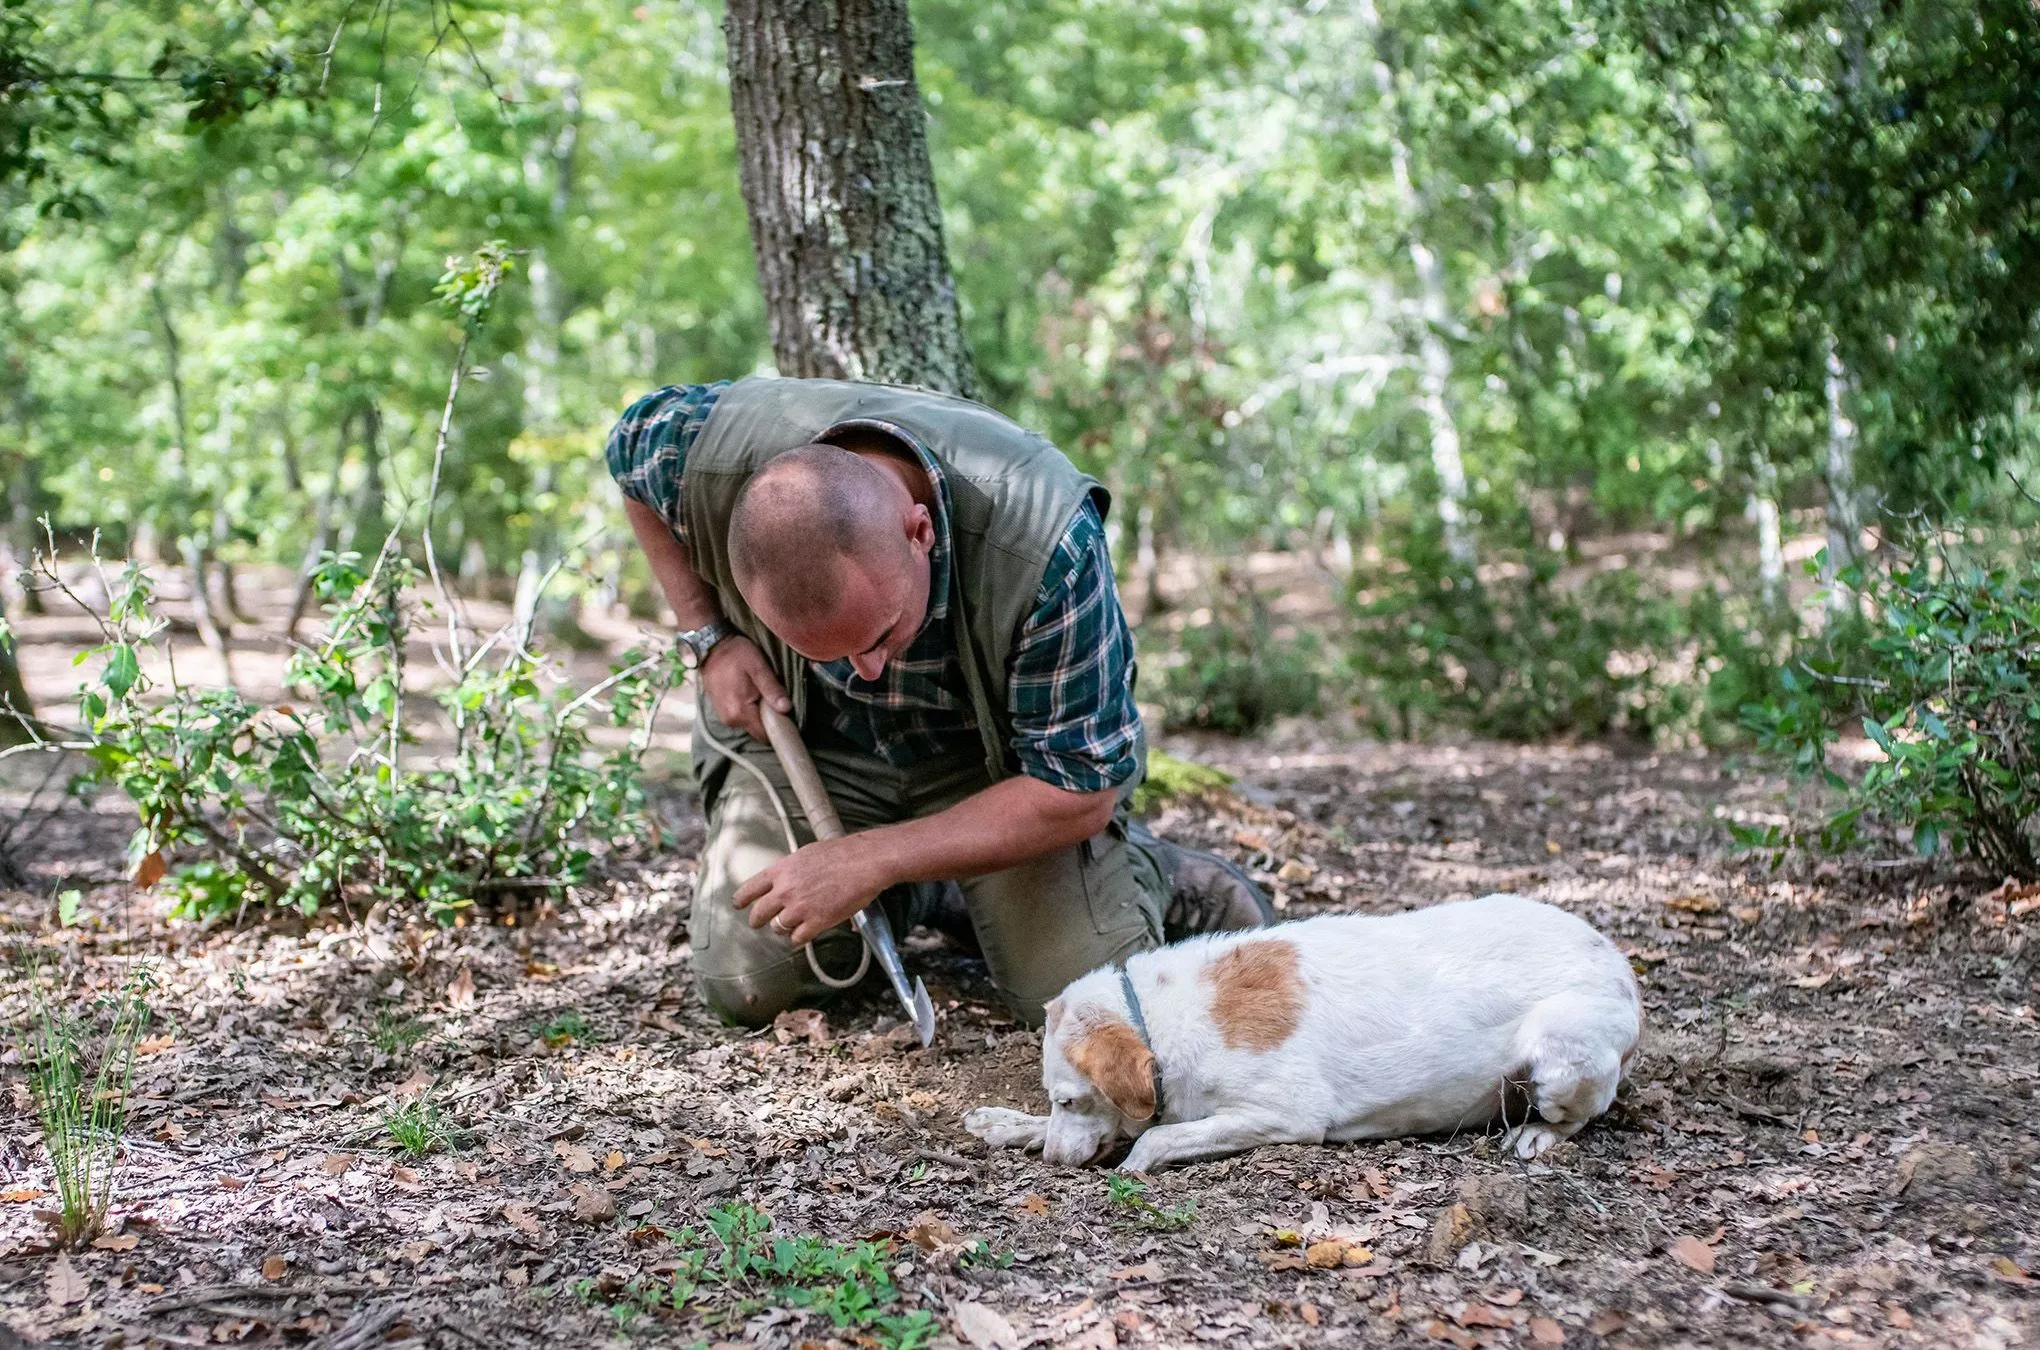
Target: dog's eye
<point>1065,1102</point>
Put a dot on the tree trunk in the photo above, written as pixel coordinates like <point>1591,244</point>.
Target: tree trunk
<point>1844,507</point>
<point>1434,319</point>
<point>833,150</point>
<point>14,701</point>
<point>1763,510</point>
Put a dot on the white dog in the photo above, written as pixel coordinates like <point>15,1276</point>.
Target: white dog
<point>1336,1028</point>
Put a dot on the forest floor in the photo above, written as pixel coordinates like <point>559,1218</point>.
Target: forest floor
<point>1828,1138</point>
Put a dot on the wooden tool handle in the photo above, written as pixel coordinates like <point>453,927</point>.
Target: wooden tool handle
<point>800,771</point>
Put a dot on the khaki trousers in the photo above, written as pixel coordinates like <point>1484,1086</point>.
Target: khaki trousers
<point>1040,924</point>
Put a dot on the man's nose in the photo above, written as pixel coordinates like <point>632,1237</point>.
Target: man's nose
<point>868,665</point>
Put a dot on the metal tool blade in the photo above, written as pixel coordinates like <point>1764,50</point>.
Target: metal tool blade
<point>876,930</point>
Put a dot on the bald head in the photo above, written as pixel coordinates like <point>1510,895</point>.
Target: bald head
<point>806,519</point>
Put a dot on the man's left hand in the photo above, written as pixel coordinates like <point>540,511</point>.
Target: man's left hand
<point>811,890</point>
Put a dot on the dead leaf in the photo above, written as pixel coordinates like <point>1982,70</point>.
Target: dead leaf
<point>419,1080</point>
<point>1309,1313</point>
<point>274,1268</point>
<point>983,1327</point>
<point>21,1196</point>
<point>708,1148</point>
<point>574,1158</point>
<point>1325,1255</point>
<point>593,1204</point>
<point>1146,1270</point>
<point>1544,1331</point>
<point>151,869</point>
<point>336,1164</point>
<point>1607,1322</point>
<point>1814,981</point>
<point>1097,1336</point>
<point>1691,1251</point>
<point>460,994</point>
<point>1034,1203</point>
<point>154,1045</point>
<point>1295,870</point>
<point>404,1176</point>
<point>2007,1269</point>
<point>64,1284</point>
<point>801,1024</point>
<point>613,1162</point>
<point>1506,1298</point>
<point>1439,1330</point>
<point>117,1242</point>
<point>524,1219</point>
<point>930,1232</point>
<point>1694,904</point>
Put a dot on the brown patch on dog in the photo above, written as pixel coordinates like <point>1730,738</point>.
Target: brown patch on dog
<point>1112,1055</point>
<point>1256,994</point>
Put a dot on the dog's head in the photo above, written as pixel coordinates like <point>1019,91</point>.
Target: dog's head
<point>1099,1073</point>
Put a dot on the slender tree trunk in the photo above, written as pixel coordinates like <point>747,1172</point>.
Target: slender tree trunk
<point>14,700</point>
<point>1434,319</point>
<point>1763,511</point>
<point>833,150</point>
<point>1844,505</point>
<point>202,609</point>
<point>542,409</point>
<point>322,534</point>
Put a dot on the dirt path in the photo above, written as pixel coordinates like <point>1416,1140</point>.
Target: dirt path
<point>1828,1139</point>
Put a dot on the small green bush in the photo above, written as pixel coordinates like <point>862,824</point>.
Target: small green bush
<point>329,800</point>
<point>1945,679</point>
<point>1237,676</point>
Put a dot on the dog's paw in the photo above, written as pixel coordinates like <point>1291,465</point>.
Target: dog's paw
<point>1003,1127</point>
<point>1529,1141</point>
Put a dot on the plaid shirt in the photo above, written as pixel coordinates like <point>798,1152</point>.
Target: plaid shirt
<point>1070,682</point>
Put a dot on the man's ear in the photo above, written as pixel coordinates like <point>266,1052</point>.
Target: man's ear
<point>1112,1055</point>
<point>920,529</point>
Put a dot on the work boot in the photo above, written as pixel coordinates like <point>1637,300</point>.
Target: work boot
<point>1207,894</point>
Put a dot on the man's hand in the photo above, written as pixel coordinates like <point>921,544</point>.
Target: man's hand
<point>812,889</point>
<point>736,676</point>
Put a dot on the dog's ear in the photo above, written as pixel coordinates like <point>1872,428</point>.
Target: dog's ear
<point>1112,1055</point>
<point>1054,1011</point>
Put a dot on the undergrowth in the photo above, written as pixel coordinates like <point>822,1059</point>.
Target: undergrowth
<point>734,1265</point>
<point>81,1069</point>
<point>1128,1198</point>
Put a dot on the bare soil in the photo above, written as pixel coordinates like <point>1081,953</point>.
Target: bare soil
<point>1827,1139</point>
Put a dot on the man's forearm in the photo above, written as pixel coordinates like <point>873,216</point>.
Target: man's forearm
<point>694,603</point>
<point>1011,822</point>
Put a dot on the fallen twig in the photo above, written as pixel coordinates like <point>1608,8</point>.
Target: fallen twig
<point>226,1293</point>
<point>1779,1298</point>
<point>936,1155</point>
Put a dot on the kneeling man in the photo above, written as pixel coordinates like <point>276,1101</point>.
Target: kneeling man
<point>924,588</point>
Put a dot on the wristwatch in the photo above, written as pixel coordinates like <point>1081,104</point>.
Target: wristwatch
<point>705,639</point>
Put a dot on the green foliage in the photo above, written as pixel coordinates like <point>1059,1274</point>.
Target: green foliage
<point>330,804</point>
<point>418,1127</point>
<point>564,1029</point>
<point>1235,674</point>
<point>733,1266</point>
<point>1945,680</point>
<point>1128,1198</point>
<point>80,1069</point>
<point>1524,657</point>
<point>395,1033</point>
<point>1170,780</point>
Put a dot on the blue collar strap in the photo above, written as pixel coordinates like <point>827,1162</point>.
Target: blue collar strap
<point>1141,1027</point>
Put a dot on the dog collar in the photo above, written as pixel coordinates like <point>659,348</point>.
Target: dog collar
<point>1141,1028</point>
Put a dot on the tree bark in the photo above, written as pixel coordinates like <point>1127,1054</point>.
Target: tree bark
<point>14,700</point>
<point>833,151</point>
<point>1844,503</point>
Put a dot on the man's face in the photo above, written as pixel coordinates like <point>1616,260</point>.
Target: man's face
<point>881,605</point>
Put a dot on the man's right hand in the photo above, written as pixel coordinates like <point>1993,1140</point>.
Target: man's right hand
<point>736,676</point>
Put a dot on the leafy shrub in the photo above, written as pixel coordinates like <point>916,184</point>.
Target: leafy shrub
<point>1235,675</point>
<point>1945,679</point>
<point>1524,658</point>
<point>330,803</point>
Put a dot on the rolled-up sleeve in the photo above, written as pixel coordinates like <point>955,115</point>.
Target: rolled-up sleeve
<point>647,449</point>
<point>1070,687</point>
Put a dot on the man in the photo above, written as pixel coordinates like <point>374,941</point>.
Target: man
<point>924,588</point>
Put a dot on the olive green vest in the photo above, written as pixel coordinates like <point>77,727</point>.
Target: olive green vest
<point>1011,498</point>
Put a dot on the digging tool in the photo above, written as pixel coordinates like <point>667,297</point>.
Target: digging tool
<point>870,922</point>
